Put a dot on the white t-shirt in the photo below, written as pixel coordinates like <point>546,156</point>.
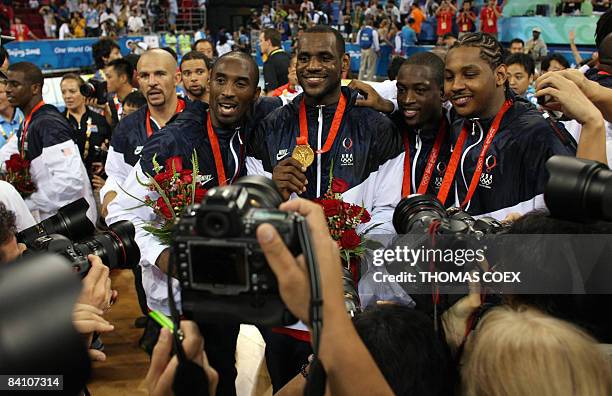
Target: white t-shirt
<point>64,31</point>
<point>135,23</point>
<point>223,49</point>
<point>13,202</point>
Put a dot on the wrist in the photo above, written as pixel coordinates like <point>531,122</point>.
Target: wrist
<point>594,120</point>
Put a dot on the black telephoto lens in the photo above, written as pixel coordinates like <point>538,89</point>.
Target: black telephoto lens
<point>417,209</point>
<point>116,246</point>
<point>262,191</point>
<point>88,90</point>
<point>578,189</point>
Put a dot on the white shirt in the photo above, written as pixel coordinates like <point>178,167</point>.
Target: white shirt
<point>64,31</point>
<point>13,202</point>
<point>223,49</point>
<point>405,5</point>
<point>135,23</point>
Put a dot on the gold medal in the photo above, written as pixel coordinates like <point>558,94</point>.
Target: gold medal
<point>303,153</point>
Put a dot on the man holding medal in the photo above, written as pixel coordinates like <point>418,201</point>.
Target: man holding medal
<point>216,133</point>
<point>500,141</point>
<point>45,140</point>
<point>158,78</point>
<point>323,130</point>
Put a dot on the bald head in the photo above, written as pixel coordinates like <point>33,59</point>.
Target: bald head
<point>158,77</point>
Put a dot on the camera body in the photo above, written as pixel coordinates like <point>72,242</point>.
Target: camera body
<point>95,89</point>
<point>222,270</point>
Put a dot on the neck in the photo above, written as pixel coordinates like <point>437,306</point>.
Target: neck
<point>272,49</point>
<point>8,113</point>
<point>78,112</point>
<point>433,124</point>
<point>218,124</point>
<point>162,114</point>
<point>330,98</point>
<point>124,91</point>
<point>605,68</point>
<point>27,109</point>
<point>496,105</point>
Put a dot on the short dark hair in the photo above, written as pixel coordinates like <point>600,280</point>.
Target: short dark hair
<point>123,68</point>
<point>273,36</point>
<point>410,354</point>
<point>171,52</point>
<point>8,227</point>
<point>522,59</point>
<point>430,60</point>
<point>243,56</point>
<point>206,41</point>
<point>3,54</point>
<point>448,35</point>
<point>394,67</point>
<point>329,30</point>
<point>195,55</point>
<point>73,76</point>
<point>102,49</point>
<point>604,27</point>
<point>554,57</point>
<point>135,99</point>
<point>517,40</point>
<point>33,75</point>
<point>491,50</point>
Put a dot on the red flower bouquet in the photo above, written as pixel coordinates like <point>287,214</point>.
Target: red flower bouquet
<point>342,220</point>
<point>176,189</point>
<point>18,174</point>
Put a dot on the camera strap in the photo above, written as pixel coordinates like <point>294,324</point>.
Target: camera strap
<point>431,162</point>
<point>453,163</point>
<point>333,130</point>
<point>26,125</point>
<point>180,106</point>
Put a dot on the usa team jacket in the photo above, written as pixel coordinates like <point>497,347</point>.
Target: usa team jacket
<point>367,153</point>
<point>514,175</point>
<point>186,133</point>
<point>55,164</point>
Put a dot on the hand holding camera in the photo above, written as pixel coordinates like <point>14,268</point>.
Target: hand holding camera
<point>97,285</point>
<point>88,319</point>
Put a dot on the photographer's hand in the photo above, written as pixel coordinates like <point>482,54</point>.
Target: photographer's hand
<point>162,370</point>
<point>97,285</point>
<point>289,177</point>
<point>97,182</point>
<point>350,368</point>
<point>88,319</point>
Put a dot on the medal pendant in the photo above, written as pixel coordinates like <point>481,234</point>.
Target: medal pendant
<point>303,153</point>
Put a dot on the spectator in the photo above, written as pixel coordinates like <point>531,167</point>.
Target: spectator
<point>536,47</point>
<point>91,132</point>
<point>431,6</point>
<point>444,15</point>
<point>206,47</point>
<point>448,40</point>
<point>92,18</point>
<point>64,31</point>
<point>277,60</point>
<point>104,51</point>
<point>119,74</point>
<point>10,117</point>
<point>517,46</point>
<point>290,90</point>
<point>133,102</point>
<point>48,21</point>
<point>418,17</point>
<point>195,69</point>
<point>393,12</point>
<point>521,71</point>
<point>107,16</point>
<point>172,14</point>
<point>223,46</point>
<point>307,6</point>
<point>569,362</point>
<point>488,18</point>
<point>320,18</point>
<point>554,62</point>
<point>266,19</point>
<point>135,23</point>
<point>368,42</point>
<point>21,31</point>
<point>408,35</point>
<point>466,20</point>
<point>77,24</point>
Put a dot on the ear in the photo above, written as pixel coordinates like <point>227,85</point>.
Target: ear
<point>177,78</point>
<point>257,94</point>
<point>346,63</point>
<point>501,75</point>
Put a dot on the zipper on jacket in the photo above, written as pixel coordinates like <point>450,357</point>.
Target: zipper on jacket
<point>474,123</point>
<point>319,133</point>
<point>418,144</point>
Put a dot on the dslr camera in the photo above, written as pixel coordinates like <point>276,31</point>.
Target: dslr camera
<point>95,89</point>
<point>115,246</point>
<point>222,270</point>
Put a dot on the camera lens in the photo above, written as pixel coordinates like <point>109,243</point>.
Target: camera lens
<point>421,209</point>
<point>262,191</point>
<point>578,189</point>
<point>70,221</point>
<point>88,90</point>
<point>116,247</point>
<point>216,224</point>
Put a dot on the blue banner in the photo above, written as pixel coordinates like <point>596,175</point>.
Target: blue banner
<point>59,54</point>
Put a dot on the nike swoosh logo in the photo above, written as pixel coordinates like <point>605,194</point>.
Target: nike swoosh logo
<point>280,156</point>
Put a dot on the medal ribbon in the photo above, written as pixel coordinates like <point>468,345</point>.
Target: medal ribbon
<point>180,106</point>
<point>431,162</point>
<point>449,176</point>
<point>214,144</point>
<point>333,130</point>
<point>26,124</point>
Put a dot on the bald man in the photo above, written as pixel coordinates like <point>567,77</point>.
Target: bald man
<point>157,77</point>
<point>233,111</point>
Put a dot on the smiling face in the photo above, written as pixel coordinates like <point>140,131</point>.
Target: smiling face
<point>71,94</point>
<point>195,77</point>
<point>233,90</point>
<point>470,83</point>
<point>319,67</point>
<point>157,77</point>
<point>419,97</point>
